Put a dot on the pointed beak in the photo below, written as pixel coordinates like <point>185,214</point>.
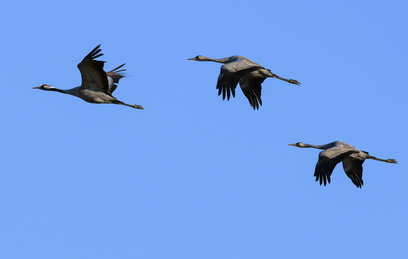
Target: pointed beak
<point>292,145</point>
<point>37,87</point>
<point>191,59</point>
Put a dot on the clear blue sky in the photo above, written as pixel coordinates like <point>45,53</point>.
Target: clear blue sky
<point>193,176</point>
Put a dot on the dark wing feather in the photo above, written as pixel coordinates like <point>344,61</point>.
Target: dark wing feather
<point>327,162</point>
<point>114,76</point>
<point>93,75</point>
<point>354,170</point>
<point>227,82</point>
<point>230,75</point>
<point>251,87</point>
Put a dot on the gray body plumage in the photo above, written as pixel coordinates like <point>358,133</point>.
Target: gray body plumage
<point>249,75</point>
<point>97,85</point>
<point>90,96</point>
<point>336,152</point>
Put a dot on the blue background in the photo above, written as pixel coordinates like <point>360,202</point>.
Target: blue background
<point>193,176</point>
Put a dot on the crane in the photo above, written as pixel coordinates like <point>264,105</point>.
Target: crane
<point>249,74</point>
<point>97,85</point>
<point>336,152</point>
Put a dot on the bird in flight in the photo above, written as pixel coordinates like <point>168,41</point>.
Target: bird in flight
<point>249,75</point>
<point>336,152</point>
<point>97,85</point>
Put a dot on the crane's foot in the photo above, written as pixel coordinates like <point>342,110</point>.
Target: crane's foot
<point>293,81</point>
<point>391,161</point>
<point>138,107</point>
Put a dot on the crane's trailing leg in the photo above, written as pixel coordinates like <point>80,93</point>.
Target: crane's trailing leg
<point>269,73</point>
<point>383,160</point>
<point>292,81</point>
<point>136,106</point>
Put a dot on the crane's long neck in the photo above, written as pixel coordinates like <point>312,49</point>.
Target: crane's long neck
<point>218,60</point>
<point>324,147</point>
<point>54,89</point>
<point>73,91</point>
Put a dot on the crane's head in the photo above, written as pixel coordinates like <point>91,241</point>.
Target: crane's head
<point>198,58</point>
<point>43,87</point>
<point>299,144</point>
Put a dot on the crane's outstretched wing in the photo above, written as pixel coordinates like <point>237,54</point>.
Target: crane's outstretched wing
<point>114,76</point>
<point>92,73</point>
<point>227,82</point>
<point>354,170</point>
<point>251,87</point>
<point>231,73</point>
<point>328,159</point>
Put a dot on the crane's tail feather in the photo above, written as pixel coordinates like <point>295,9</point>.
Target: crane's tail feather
<point>118,71</point>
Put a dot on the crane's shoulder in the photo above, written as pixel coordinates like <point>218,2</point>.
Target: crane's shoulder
<point>240,63</point>
<point>340,149</point>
